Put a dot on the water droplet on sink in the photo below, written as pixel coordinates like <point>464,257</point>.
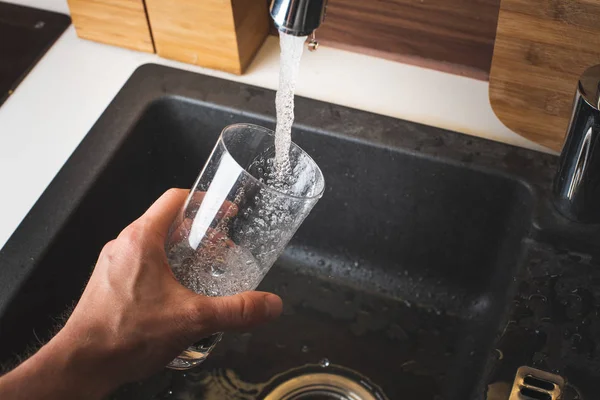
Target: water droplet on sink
<point>500,354</point>
<point>538,296</point>
<point>321,263</point>
<point>324,363</point>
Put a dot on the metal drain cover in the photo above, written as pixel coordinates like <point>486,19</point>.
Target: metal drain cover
<point>535,384</point>
<point>321,383</point>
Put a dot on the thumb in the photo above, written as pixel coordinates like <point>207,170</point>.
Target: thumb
<point>239,312</point>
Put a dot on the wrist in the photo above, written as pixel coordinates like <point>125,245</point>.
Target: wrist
<point>83,363</point>
<point>64,368</point>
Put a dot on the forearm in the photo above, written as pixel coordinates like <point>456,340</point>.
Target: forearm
<point>62,369</point>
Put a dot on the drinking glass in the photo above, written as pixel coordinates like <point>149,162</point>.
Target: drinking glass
<point>240,214</point>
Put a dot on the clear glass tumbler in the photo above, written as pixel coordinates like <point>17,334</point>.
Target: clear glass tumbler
<point>238,218</point>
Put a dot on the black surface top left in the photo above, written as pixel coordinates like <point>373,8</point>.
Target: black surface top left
<point>25,36</point>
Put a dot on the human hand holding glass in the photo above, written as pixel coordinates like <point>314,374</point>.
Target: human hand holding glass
<point>132,318</point>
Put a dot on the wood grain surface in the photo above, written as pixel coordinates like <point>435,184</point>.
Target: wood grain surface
<point>451,35</point>
<point>117,22</point>
<point>252,24</point>
<point>542,47</point>
<point>218,34</point>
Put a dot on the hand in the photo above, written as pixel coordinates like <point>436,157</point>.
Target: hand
<point>132,319</point>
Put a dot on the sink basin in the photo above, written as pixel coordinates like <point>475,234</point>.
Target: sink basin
<point>402,272</point>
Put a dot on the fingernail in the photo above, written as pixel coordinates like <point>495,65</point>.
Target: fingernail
<point>274,305</point>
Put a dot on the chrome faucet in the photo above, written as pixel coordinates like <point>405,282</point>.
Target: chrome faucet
<point>577,182</point>
<point>298,17</point>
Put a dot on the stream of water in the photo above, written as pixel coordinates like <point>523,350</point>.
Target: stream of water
<point>291,52</point>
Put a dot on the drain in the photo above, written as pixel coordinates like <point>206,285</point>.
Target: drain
<point>320,386</point>
<point>312,382</point>
<point>534,384</point>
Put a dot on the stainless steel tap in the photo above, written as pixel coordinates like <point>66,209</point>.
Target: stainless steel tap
<point>577,182</point>
<point>298,17</point>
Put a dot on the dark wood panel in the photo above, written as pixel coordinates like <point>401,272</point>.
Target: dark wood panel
<point>451,35</point>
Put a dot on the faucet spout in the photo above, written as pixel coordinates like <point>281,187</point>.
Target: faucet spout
<point>298,17</point>
<point>577,182</point>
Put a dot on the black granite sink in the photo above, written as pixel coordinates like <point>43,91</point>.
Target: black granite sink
<point>404,272</point>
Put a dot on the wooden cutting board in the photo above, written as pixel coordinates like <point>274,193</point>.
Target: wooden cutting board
<point>542,47</point>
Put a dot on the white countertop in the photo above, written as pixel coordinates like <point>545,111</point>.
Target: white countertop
<point>59,101</point>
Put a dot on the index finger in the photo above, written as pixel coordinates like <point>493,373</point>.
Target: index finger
<point>162,213</point>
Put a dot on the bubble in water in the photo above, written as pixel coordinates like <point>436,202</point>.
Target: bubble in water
<point>324,363</point>
<point>216,271</point>
<point>187,262</point>
<point>238,272</point>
